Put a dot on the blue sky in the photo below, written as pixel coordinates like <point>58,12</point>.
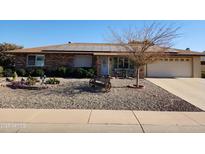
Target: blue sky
<point>39,33</point>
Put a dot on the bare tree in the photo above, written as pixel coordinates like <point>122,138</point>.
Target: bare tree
<point>146,45</point>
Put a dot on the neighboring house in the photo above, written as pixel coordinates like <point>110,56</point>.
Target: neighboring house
<point>108,59</point>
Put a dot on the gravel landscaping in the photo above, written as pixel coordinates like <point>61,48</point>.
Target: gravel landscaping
<point>76,94</point>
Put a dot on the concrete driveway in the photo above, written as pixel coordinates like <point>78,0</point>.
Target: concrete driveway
<point>190,89</point>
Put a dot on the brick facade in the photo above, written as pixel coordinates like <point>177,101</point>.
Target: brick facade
<point>20,60</point>
<point>57,60</point>
<point>52,61</point>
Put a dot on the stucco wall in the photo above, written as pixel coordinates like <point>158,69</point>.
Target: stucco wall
<point>196,67</point>
<point>82,61</point>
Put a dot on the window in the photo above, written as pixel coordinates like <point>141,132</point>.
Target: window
<point>202,62</point>
<point>40,61</point>
<point>115,62</point>
<point>131,64</point>
<point>121,62</point>
<point>170,59</point>
<point>187,59</point>
<point>126,63</point>
<point>182,59</point>
<point>31,60</point>
<point>35,60</point>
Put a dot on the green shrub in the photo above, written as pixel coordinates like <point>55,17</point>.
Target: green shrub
<point>30,71</point>
<point>8,72</point>
<point>90,73</point>
<point>38,72</point>
<point>61,71</point>
<point>79,73</point>
<point>52,81</point>
<point>84,72</point>
<point>69,72</point>
<point>50,72</point>
<point>21,72</point>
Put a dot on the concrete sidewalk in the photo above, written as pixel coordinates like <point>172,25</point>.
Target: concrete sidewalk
<point>45,120</point>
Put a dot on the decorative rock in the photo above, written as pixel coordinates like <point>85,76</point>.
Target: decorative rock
<point>76,94</point>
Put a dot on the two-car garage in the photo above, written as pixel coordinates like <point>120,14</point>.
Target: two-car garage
<point>170,67</point>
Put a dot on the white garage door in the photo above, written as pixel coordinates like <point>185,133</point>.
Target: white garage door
<point>170,67</point>
<point>82,61</point>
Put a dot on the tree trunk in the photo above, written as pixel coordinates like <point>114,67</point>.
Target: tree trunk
<point>137,76</point>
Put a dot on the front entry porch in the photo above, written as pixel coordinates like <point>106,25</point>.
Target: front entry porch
<point>116,66</point>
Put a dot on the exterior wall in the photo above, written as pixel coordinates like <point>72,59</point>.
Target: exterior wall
<point>52,61</point>
<point>20,60</point>
<point>196,67</point>
<point>57,60</point>
<point>142,70</point>
<point>83,61</point>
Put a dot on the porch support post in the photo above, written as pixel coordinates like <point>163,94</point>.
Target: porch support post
<point>108,65</point>
<point>97,63</point>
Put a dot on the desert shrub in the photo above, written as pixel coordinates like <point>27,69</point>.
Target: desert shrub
<point>52,81</point>
<point>21,72</point>
<point>31,80</point>
<point>1,71</point>
<point>38,72</point>
<point>8,72</point>
<point>14,75</point>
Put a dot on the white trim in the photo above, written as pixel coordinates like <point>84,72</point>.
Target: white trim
<point>36,55</point>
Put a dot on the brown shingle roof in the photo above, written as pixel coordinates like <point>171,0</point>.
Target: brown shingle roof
<point>92,48</point>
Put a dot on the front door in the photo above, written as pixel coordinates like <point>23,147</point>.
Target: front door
<point>104,65</point>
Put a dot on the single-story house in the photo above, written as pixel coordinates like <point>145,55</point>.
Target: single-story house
<point>108,59</point>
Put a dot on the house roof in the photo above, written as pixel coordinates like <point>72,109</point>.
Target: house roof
<point>94,48</point>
